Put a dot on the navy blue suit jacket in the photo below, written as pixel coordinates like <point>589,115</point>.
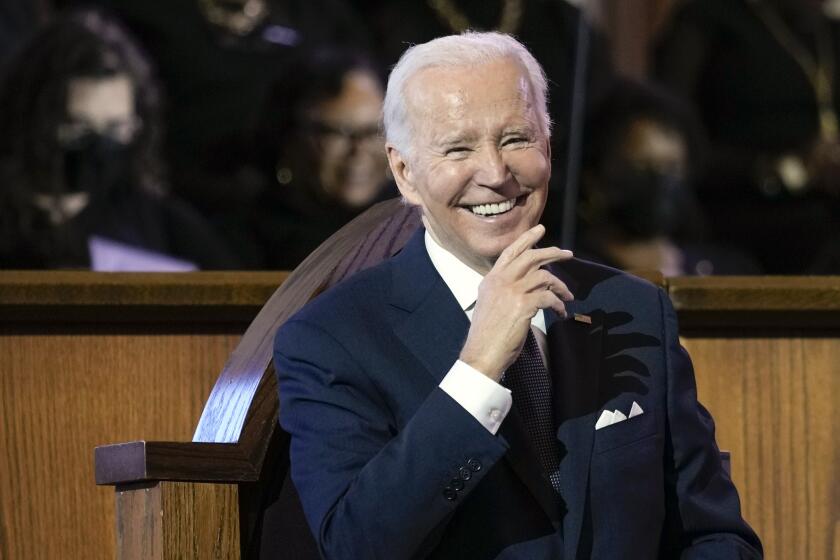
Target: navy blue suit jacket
<point>378,450</point>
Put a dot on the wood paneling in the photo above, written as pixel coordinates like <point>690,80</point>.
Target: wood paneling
<point>139,523</point>
<point>79,296</point>
<point>774,400</point>
<point>63,394</point>
<point>175,520</point>
<point>94,358</point>
<point>200,521</point>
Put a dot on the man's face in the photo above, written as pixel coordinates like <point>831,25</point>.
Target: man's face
<point>480,163</point>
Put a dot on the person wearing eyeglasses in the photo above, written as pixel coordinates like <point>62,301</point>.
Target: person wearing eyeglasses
<point>317,159</point>
<point>82,183</point>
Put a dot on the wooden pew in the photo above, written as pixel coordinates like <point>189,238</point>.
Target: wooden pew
<point>766,351</point>
<point>88,358</point>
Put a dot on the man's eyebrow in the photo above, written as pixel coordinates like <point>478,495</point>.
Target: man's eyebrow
<point>523,128</point>
<point>452,139</point>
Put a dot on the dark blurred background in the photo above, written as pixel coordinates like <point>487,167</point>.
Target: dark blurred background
<point>693,137</point>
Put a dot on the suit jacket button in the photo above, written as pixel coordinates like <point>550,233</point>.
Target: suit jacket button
<point>450,494</point>
<point>457,484</point>
<point>465,473</point>
<point>474,465</point>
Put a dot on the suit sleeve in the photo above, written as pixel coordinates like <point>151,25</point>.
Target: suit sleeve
<point>703,510</point>
<point>369,488</point>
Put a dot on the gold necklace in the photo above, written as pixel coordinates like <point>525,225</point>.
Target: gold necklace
<point>455,19</point>
<point>818,69</point>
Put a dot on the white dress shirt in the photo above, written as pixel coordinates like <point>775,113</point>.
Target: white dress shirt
<point>488,401</point>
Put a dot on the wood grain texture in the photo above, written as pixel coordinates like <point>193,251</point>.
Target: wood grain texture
<point>80,296</point>
<point>756,293</point>
<point>375,235</point>
<point>139,523</point>
<point>769,303</point>
<point>177,521</point>
<point>773,400</point>
<point>64,392</point>
<point>81,288</point>
<point>200,521</point>
<point>242,409</point>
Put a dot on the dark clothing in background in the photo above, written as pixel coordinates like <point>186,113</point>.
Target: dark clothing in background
<point>216,84</point>
<point>756,104</point>
<point>750,92</point>
<point>285,224</point>
<point>19,19</point>
<point>547,27</point>
<point>166,226</point>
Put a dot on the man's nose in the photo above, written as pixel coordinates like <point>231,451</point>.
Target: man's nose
<point>492,170</point>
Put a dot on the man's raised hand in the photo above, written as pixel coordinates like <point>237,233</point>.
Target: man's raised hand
<point>508,298</point>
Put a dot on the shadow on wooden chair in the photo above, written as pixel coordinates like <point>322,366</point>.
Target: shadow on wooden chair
<point>211,497</point>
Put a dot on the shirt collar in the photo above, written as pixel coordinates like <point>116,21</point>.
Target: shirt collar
<point>462,280</point>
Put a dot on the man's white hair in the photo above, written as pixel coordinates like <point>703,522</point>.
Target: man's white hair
<point>468,49</point>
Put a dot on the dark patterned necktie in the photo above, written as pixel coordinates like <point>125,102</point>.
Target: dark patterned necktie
<point>530,385</point>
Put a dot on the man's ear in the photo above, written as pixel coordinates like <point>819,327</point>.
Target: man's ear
<point>403,172</point>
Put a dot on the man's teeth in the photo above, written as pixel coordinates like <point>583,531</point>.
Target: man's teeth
<point>493,209</point>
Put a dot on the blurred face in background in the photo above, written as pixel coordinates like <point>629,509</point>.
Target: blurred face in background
<point>99,126</point>
<point>640,188</point>
<point>650,145</point>
<point>352,160</point>
<point>103,106</point>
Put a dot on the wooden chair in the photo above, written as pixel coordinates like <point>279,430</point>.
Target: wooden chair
<point>210,497</point>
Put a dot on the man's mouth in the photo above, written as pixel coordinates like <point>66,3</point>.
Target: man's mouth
<point>494,208</point>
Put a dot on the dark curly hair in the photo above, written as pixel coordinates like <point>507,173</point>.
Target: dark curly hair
<point>33,101</point>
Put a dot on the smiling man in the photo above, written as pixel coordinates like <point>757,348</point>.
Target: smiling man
<point>478,396</point>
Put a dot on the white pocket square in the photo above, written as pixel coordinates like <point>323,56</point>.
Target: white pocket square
<point>608,418</point>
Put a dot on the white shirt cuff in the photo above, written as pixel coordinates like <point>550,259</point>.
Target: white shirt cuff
<point>486,400</point>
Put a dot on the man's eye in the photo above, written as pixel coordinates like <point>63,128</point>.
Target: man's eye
<point>457,151</point>
<point>513,140</point>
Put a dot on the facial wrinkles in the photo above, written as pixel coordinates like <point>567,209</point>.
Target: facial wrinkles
<point>477,118</point>
<point>480,131</point>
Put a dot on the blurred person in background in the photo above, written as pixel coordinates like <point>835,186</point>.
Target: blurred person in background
<point>637,209</point>
<point>217,61</point>
<point>763,75</point>
<point>318,159</point>
<point>81,178</point>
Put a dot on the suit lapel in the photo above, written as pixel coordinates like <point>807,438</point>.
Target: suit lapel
<point>435,327</point>
<point>434,330</point>
<point>575,348</point>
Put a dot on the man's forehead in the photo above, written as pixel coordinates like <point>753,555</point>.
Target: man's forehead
<point>455,92</point>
